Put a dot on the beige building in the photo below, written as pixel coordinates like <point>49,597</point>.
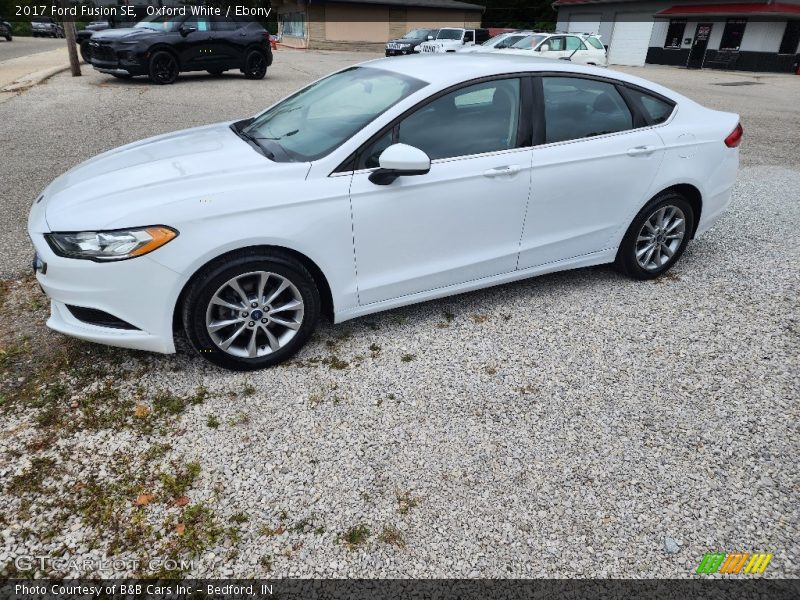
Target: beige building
<point>365,24</point>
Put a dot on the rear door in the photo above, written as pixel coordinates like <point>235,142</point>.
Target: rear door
<point>227,42</point>
<point>591,173</point>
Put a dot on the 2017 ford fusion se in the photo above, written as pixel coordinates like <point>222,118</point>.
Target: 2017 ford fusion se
<point>384,184</point>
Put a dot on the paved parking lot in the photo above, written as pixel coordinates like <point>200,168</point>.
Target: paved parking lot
<point>578,424</point>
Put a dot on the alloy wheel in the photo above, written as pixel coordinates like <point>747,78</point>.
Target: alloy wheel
<point>256,65</point>
<point>165,68</point>
<point>660,237</point>
<point>254,314</point>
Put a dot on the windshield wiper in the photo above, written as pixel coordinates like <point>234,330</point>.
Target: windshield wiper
<point>253,141</point>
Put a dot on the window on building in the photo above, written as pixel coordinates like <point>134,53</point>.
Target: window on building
<point>732,36</point>
<point>293,24</point>
<point>791,38</point>
<point>677,28</point>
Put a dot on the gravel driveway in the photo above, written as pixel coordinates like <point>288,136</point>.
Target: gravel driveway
<point>577,424</point>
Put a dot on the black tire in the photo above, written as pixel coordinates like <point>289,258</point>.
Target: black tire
<point>164,68</point>
<point>121,75</point>
<point>255,65</point>
<point>627,261</point>
<point>215,72</point>
<point>86,53</point>
<point>214,276</point>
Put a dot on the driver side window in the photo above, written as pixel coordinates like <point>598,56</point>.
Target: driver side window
<point>476,119</point>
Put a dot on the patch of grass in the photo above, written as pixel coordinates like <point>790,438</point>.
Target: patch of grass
<point>239,518</point>
<point>174,485</point>
<point>271,531</point>
<point>240,419</point>
<point>355,536</point>
<point>374,348</point>
<point>266,562</point>
<point>490,370</point>
<point>212,422</point>
<point>31,480</point>
<point>336,363</point>
<point>480,318</point>
<point>405,502</point>
<point>449,316</point>
<point>392,536</point>
<point>248,390</point>
<point>408,357</point>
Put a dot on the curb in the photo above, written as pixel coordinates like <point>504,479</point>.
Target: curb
<point>35,78</point>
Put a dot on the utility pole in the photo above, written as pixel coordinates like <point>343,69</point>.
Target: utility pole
<point>69,34</point>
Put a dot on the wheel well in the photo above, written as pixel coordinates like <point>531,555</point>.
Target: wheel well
<point>693,196</point>
<point>159,48</point>
<point>325,296</point>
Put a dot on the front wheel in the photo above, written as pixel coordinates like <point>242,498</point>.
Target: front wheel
<point>163,68</point>
<point>86,53</point>
<point>255,66</point>
<point>251,311</point>
<point>657,237</point>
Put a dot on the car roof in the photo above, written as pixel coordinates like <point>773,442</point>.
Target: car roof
<point>446,69</point>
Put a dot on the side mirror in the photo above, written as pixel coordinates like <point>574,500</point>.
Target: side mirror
<point>544,48</point>
<point>398,160</point>
<point>430,37</point>
<point>187,30</point>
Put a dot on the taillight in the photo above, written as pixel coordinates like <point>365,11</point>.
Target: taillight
<point>735,138</point>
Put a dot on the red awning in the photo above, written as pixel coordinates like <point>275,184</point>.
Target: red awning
<point>753,9</point>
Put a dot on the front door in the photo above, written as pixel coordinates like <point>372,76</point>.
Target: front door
<point>698,52</point>
<point>591,175</point>
<point>461,221</point>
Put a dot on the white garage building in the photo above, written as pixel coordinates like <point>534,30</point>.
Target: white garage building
<point>761,35</point>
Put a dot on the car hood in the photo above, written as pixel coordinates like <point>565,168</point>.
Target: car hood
<point>406,41</point>
<point>142,179</point>
<point>127,33</point>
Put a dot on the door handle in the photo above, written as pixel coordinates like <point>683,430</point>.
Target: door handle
<point>501,171</point>
<point>642,150</point>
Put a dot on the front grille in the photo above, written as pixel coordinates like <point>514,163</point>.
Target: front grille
<point>97,317</point>
<point>103,53</point>
<point>429,49</point>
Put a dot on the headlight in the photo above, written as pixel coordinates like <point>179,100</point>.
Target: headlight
<point>105,246</point>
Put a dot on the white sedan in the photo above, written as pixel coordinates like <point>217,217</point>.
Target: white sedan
<point>384,184</point>
<point>578,48</point>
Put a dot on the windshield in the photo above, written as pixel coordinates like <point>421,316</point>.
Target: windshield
<point>530,42</point>
<point>417,34</point>
<point>450,34</point>
<point>319,118</point>
<point>496,39</point>
<point>159,23</point>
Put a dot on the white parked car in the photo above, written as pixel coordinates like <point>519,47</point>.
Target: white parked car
<point>578,48</point>
<point>451,39</point>
<point>498,42</point>
<point>384,184</point>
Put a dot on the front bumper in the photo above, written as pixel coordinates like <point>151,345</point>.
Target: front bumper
<point>139,291</point>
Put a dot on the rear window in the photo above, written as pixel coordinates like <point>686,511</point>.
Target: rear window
<point>595,42</point>
<point>657,110</point>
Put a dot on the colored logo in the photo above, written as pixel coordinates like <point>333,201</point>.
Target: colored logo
<point>740,562</point>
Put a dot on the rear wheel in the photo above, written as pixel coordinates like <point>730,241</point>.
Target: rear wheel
<point>163,68</point>
<point>255,66</point>
<point>251,311</point>
<point>657,237</point>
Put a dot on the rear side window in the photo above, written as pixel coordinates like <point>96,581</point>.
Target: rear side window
<point>574,43</point>
<point>595,42</point>
<point>657,110</point>
<point>577,108</point>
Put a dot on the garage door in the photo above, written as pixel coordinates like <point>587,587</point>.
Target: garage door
<point>630,39</point>
<point>580,23</point>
